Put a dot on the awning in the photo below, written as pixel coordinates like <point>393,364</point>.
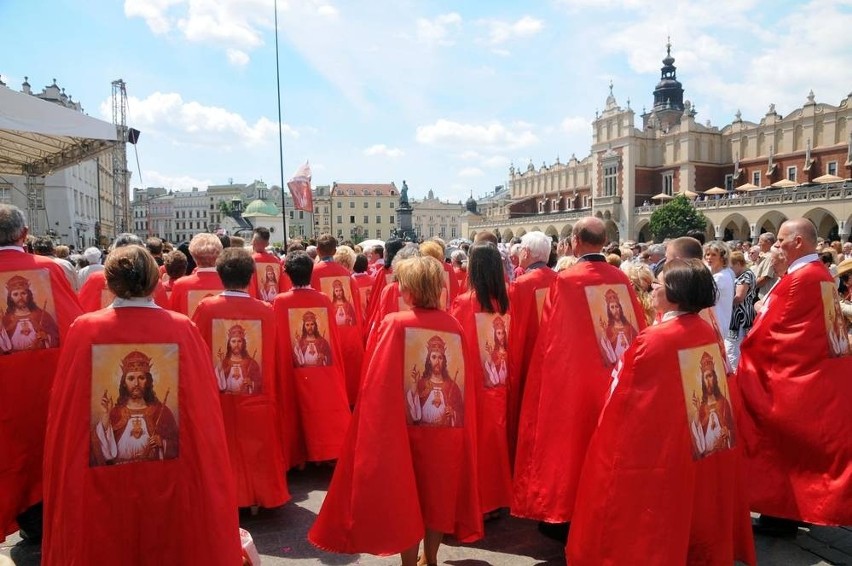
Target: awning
<point>38,137</point>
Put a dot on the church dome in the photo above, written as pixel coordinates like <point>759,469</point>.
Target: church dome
<point>470,204</point>
<point>261,207</point>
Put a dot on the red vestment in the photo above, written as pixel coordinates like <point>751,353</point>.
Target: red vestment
<point>451,283</point>
<point>178,510</point>
<point>461,279</point>
<point>251,414</point>
<point>27,377</point>
<point>381,278</point>
<point>395,479</point>
<point>566,387</point>
<point>495,476</point>
<point>643,497</point>
<point>265,289</point>
<point>319,389</point>
<point>796,423</point>
<point>363,288</point>
<point>188,291</point>
<point>95,295</point>
<point>347,316</point>
<point>389,301</point>
<point>526,299</point>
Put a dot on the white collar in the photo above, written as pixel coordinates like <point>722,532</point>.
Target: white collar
<point>299,288</point>
<point>13,248</point>
<point>801,262</point>
<point>204,269</point>
<point>671,314</point>
<point>234,294</point>
<point>143,302</point>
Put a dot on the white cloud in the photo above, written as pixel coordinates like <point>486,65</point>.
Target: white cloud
<point>471,172</point>
<point>576,124</point>
<point>491,135</point>
<point>173,182</point>
<point>191,123</point>
<point>439,31</point>
<point>328,11</point>
<point>500,32</point>
<point>154,12</point>
<point>383,150</point>
<point>237,57</point>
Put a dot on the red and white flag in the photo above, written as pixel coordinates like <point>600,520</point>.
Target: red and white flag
<point>300,189</point>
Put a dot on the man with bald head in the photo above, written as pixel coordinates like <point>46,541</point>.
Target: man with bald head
<point>589,317</point>
<point>796,425</point>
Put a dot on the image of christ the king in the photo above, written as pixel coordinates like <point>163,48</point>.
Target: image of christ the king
<point>238,372</point>
<point>712,420</point>
<point>136,426</point>
<point>433,397</point>
<point>26,326</point>
<point>310,348</point>
<point>614,330</point>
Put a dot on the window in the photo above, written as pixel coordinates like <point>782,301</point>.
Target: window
<point>352,219</point>
<point>391,204</point>
<point>791,173</point>
<point>351,204</point>
<point>378,219</point>
<point>610,180</point>
<point>378,204</point>
<point>301,215</point>
<point>291,215</point>
<point>586,201</point>
<point>366,204</point>
<point>729,182</point>
<point>340,204</point>
<point>391,220</point>
<point>831,168</point>
<point>340,220</point>
<point>755,178</point>
<point>379,234</point>
<point>366,219</point>
<point>668,183</point>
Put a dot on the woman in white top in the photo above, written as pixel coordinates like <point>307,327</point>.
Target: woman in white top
<point>716,255</point>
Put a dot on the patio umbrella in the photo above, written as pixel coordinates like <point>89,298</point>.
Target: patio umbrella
<point>688,194</point>
<point>370,243</point>
<point>716,191</point>
<point>662,196</point>
<point>747,187</point>
<point>828,179</point>
<point>783,184</point>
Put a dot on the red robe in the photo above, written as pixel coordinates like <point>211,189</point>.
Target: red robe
<point>94,295</point>
<point>525,309</point>
<point>797,423</point>
<point>363,287</point>
<point>315,433</point>
<point>461,279</point>
<point>451,283</point>
<point>180,510</point>
<point>381,278</point>
<point>560,409</point>
<point>347,315</point>
<point>495,476</point>
<point>644,498</point>
<point>188,291</point>
<point>389,301</point>
<point>396,479</point>
<point>27,377</point>
<point>250,412</point>
<point>260,260</point>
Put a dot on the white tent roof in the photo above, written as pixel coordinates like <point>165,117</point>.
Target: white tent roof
<point>38,137</point>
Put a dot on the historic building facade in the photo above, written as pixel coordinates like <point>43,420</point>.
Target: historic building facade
<point>629,169</point>
<point>361,211</point>
<point>433,217</point>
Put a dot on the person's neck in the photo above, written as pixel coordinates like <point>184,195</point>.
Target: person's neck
<point>580,251</point>
<point>136,404</point>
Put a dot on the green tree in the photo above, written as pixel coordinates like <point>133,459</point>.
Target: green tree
<point>675,219</point>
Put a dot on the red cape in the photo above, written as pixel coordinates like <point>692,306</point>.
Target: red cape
<point>560,409</point>
<point>251,419</point>
<point>283,280</point>
<point>394,480</point>
<point>364,287</point>
<point>188,291</point>
<point>350,331</point>
<point>320,391</point>
<point>495,477</point>
<point>94,295</point>
<point>797,423</point>
<point>26,382</point>
<point>525,312</point>
<point>178,510</point>
<point>382,278</point>
<point>452,284</point>
<point>461,279</point>
<point>644,497</point>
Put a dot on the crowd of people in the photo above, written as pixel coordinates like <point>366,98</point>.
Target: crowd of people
<point>638,400</point>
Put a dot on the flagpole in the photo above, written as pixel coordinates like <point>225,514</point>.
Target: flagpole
<point>280,135</point>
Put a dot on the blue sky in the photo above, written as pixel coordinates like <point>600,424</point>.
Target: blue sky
<point>442,94</point>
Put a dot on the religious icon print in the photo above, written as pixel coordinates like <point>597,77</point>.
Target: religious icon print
<point>267,275</point>
<point>613,319</point>
<point>705,390</point>
<point>835,323</point>
<point>309,331</point>
<point>540,295</point>
<point>195,296</point>
<point>29,314</point>
<point>364,294</point>
<point>339,290</point>
<point>238,355</point>
<point>134,403</point>
<point>492,334</point>
<point>433,378</point>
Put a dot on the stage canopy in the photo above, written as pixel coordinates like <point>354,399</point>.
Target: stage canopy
<point>39,137</point>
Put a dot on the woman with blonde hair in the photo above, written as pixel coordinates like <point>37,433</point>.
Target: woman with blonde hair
<point>642,278</point>
<point>406,472</point>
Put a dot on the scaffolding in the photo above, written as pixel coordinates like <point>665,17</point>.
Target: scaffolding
<point>120,174</point>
